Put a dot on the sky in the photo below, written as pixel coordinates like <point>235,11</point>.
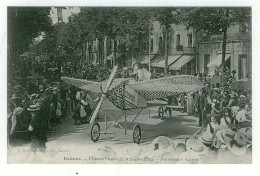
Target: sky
<point>66,13</point>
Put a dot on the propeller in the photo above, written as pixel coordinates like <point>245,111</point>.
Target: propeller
<point>109,82</point>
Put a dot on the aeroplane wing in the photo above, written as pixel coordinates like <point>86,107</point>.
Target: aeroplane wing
<point>137,93</point>
<point>167,86</point>
<point>79,82</point>
<point>94,86</point>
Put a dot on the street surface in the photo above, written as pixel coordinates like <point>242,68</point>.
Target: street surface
<point>68,143</point>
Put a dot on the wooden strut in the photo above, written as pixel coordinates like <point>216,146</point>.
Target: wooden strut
<point>138,114</point>
<point>117,123</point>
<point>125,122</point>
<point>114,120</point>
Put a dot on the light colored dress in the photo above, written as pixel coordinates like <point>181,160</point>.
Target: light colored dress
<point>58,110</point>
<point>190,105</point>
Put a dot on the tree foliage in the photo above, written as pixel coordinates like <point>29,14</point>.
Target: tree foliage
<point>127,25</point>
<point>24,24</point>
<point>216,21</point>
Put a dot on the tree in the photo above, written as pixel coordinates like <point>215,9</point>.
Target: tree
<point>127,25</point>
<point>166,16</point>
<point>24,24</point>
<point>216,21</point>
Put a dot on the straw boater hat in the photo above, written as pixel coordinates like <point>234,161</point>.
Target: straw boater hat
<point>195,145</point>
<point>34,96</point>
<point>159,147</point>
<point>83,102</point>
<point>161,143</point>
<point>206,138</point>
<point>180,148</point>
<point>235,142</point>
<point>220,135</point>
<point>248,133</point>
<point>33,108</point>
<point>195,149</point>
<point>48,90</point>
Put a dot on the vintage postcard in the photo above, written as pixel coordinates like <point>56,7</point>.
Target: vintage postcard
<point>129,85</point>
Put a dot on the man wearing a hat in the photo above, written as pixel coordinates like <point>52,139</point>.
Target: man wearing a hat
<point>54,103</point>
<point>38,127</point>
<point>45,106</point>
<point>201,106</point>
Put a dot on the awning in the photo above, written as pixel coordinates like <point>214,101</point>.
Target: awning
<point>157,60</point>
<point>172,59</point>
<point>181,62</point>
<point>217,60</point>
<point>161,61</point>
<point>111,56</point>
<point>144,59</point>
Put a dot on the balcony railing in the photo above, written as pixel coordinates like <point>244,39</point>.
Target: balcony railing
<point>189,50</point>
<point>235,36</point>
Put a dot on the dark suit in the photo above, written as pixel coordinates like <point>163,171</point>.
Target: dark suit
<point>201,106</point>
<point>40,125</point>
<point>54,101</point>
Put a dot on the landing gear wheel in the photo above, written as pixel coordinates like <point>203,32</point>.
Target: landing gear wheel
<point>160,112</point>
<point>95,132</point>
<point>137,134</point>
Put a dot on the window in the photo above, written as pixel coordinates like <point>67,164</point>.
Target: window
<point>189,40</point>
<point>242,66</point>
<point>160,45</point>
<point>178,40</point>
<point>206,61</point>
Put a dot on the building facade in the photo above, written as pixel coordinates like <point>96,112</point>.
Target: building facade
<point>181,45</point>
<point>238,56</point>
<point>191,51</point>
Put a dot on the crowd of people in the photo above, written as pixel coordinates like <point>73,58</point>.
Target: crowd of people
<point>37,102</point>
<point>218,102</point>
<point>225,118</point>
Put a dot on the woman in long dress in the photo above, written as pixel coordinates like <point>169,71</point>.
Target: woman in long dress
<point>190,104</point>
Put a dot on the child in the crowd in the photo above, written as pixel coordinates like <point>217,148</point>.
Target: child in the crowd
<point>58,111</point>
<point>225,119</point>
<point>212,125</point>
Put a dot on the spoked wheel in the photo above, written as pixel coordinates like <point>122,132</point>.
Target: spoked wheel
<point>137,134</point>
<point>95,132</point>
<point>160,112</point>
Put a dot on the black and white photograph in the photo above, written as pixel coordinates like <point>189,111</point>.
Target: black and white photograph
<point>129,85</point>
